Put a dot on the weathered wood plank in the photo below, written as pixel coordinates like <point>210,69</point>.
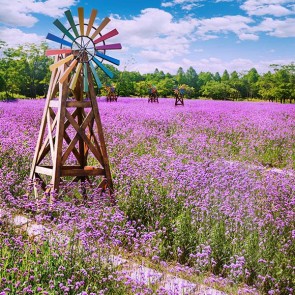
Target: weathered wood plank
<point>76,138</point>
<point>49,128</point>
<point>81,132</point>
<point>44,170</point>
<point>106,164</point>
<point>86,171</point>
<point>45,147</point>
<point>43,122</point>
<point>63,94</point>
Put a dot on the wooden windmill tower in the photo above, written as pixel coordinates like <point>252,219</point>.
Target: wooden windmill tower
<point>71,134</point>
<point>153,94</point>
<point>111,93</point>
<point>179,94</point>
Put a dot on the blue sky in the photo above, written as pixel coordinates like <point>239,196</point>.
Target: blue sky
<point>210,35</point>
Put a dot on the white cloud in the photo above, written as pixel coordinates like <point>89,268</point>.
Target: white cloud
<point>191,6</point>
<point>184,4</point>
<point>277,28</point>
<point>213,64</point>
<point>269,7</point>
<point>247,36</point>
<point>20,13</point>
<point>155,31</point>
<point>167,4</point>
<point>15,37</point>
<point>236,24</point>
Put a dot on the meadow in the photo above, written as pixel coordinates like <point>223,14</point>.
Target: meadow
<point>206,188</point>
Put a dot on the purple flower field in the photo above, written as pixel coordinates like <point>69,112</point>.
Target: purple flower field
<point>208,187</point>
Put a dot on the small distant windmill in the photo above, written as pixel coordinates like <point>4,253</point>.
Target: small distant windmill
<point>179,94</point>
<point>71,129</point>
<point>153,94</point>
<point>111,93</point>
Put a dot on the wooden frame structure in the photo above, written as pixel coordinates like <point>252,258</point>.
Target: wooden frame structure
<point>111,94</point>
<point>70,131</point>
<point>153,95</point>
<point>179,94</point>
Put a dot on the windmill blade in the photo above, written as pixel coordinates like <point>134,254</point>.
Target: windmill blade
<point>58,40</point>
<point>57,51</point>
<point>109,46</point>
<point>67,71</point>
<point>99,85</point>
<point>105,69</point>
<point>60,26</point>
<point>101,26</point>
<point>108,58</point>
<point>108,35</point>
<point>91,21</point>
<point>69,16</point>
<point>85,78</point>
<point>61,62</point>
<point>81,19</point>
<point>75,77</point>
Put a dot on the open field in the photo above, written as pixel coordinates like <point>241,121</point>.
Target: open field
<point>209,186</point>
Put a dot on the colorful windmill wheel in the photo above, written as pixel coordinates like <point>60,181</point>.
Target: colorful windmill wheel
<point>86,46</point>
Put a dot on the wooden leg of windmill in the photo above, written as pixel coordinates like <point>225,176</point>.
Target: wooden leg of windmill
<point>81,115</point>
<point>56,173</point>
<point>83,159</point>
<point>34,176</point>
<point>107,182</point>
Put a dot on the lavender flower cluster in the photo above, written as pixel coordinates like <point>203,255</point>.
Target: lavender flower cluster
<point>209,186</point>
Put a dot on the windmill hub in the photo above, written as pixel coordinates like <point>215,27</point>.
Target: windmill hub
<point>84,47</point>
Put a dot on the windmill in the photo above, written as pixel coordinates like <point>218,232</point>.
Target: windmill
<point>71,132</point>
<point>111,93</point>
<point>153,94</point>
<point>179,94</point>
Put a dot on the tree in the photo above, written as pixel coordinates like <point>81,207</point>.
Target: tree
<point>217,90</point>
<point>204,78</point>
<point>237,84</point>
<point>10,71</point>
<point>191,78</point>
<point>285,79</point>
<point>225,76</point>
<point>126,84</point>
<point>234,76</point>
<point>266,86</point>
<point>25,70</point>
<point>141,88</point>
<point>180,76</point>
<point>217,77</point>
<point>35,65</point>
<point>165,87</point>
<point>250,80</point>
<point>282,85</point>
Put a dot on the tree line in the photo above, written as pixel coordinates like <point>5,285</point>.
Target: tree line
<point>24,72</point>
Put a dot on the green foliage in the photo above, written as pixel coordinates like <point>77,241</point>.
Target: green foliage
<point>225,76</point>
<point>24,72</point>
<point>217,90</point>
